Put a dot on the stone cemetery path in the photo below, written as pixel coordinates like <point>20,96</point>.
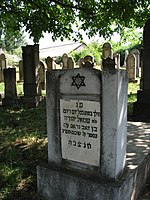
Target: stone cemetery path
<point>138,147</point>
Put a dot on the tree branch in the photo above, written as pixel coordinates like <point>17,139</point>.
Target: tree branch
<point>86,10</point>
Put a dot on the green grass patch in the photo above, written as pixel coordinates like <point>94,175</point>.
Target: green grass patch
<point>132,97</point>
<point>23,145</point>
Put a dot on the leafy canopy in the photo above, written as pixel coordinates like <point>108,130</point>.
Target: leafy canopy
<point>60,17</point>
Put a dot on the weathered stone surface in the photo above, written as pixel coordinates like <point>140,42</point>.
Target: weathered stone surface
<point>32,87</point>
<point>141,108</point>
<point>131,66</point>
<point>114,122</point>
<point>10,98</point>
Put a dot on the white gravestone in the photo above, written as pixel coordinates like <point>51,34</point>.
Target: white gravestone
<point>80,131</point>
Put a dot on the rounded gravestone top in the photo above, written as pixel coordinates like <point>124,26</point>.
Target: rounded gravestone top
<point>107,45</point>
<point>2,56</point>
<point>88,58</point>
<point>135,51</point>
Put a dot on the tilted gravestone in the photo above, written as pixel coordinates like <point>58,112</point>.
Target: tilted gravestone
<point>10,98</point>
<point>141,108</point>
<point>86,126</point>
<point>131,66</point>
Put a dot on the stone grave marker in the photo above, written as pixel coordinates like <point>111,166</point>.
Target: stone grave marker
<point>32,92</point>
<point>108,64</point>
<point>70,63</point>
<point>10,98</point>
<point>116,57</point>
<point>86,126</point>
<point>125,57</point>
<point>64,60</point>
<point>141,108</point>
<point>20,70</point>
<point>42,75</point>
<point>50,63</point>
<point>88,61</point>
<point>81,62</point>
<point>131,66</point>
<point>141,66</point>
<point>107,51</point>
<point>2,66</point>
<point>137,57</point>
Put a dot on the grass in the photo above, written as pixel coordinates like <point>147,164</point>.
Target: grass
<point>23,145</point>
<point>132,97</point>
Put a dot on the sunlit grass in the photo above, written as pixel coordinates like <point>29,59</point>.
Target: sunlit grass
<point>23,145</point>
<point>132,96</point>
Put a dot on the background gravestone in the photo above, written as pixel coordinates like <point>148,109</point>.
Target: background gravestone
<point>126,54</point>
<point>32,90</point>
<point>2,66</point>
<point>10,98</point>
<point>107,50</point>
<point>116,56</point>
<point>42,75</point>
<point>64,60</point>
<point>70,63</point>
<point>108,64</point>
<point>141,108</point>
<point>20,70</point>
<point>137,57</point>
<point>50,63</point>
<point>131,66</point>
<point>141,65</point>
<point>81,62</point>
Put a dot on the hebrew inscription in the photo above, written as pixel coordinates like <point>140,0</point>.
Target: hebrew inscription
<point>80,131</point>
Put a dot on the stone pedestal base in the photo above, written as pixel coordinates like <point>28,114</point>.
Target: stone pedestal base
<point>30,102</point>
<point>141,108</point>
<point>54,183</point>
<point>10,102</point>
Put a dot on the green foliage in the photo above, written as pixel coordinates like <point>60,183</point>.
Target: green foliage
<point>61,17</point>
<point>132,97</point>
<point>12,42</point>
<point>93,49</point>
<point>58,60</point>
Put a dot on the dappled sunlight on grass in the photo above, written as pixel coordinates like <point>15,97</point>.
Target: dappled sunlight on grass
<point>23,145</point>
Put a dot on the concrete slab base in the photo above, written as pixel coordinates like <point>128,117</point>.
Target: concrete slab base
<point>58,183</point>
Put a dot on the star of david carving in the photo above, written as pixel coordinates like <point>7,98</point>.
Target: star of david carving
<point>78,81</point>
